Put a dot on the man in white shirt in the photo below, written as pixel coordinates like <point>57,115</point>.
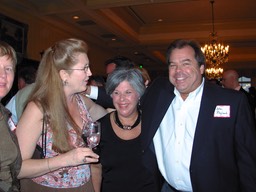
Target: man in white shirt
<point>26,77</point>
<point>203,135</point>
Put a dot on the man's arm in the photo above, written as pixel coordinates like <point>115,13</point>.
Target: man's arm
<point>99,95</point>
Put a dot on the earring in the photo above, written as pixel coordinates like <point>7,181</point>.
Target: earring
<point>65,82</point>
<point>139,105</point>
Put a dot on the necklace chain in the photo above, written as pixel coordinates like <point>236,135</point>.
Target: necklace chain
<point>126,127</point>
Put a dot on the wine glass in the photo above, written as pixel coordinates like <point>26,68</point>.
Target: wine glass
<point>91,134</point>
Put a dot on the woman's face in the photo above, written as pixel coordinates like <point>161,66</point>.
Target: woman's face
<point>125,99</point>
<point>78,78</point>
<point>6,75</point>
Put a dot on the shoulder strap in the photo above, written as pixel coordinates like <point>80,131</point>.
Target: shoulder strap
<point>44,136</point>
<point>40,152</point>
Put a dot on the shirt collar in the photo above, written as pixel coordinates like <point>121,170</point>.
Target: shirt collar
<point>193,94</point>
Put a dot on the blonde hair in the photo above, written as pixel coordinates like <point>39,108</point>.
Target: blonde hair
<point>7,50</point>
<point>48,92</point>
<point>145,75</point>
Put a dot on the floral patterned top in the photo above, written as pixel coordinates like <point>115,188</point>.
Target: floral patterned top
<point>67,177</point>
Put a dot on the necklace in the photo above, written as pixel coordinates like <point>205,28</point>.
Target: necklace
<point>126,127</point>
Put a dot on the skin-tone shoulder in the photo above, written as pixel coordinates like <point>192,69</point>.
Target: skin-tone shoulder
<point>30,125</point>
<point>32,129</point>
<point>95,110</point>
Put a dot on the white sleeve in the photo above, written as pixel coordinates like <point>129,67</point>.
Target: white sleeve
<point>11,106</point>
<point>94,92</point>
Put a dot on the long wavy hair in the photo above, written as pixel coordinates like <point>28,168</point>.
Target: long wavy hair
<point>48,93</point>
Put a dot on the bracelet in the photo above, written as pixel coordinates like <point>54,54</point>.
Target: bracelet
<point>48,165</point>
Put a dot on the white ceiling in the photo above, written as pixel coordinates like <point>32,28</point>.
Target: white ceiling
<point>134,24</point>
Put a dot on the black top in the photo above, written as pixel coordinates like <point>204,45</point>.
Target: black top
<point>122,168</point>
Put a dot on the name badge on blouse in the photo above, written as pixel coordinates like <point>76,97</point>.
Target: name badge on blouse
<point>222,111</point>
<point>11,124</point>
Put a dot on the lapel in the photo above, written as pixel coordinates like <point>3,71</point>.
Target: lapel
<point>156,103</point>
<point>206,112</point>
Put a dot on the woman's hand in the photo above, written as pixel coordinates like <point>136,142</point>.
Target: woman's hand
<point>80,155</point>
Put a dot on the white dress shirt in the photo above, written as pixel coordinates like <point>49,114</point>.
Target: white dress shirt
<point>11,106</point>
<point>94,92</point>
<point>173,140</point>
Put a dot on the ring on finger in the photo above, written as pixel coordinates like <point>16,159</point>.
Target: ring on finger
<point>85,160</point>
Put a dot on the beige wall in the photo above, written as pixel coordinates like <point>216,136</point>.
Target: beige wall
<point>42,35</point>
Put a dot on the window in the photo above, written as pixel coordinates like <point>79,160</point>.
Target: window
<point>245,83</point>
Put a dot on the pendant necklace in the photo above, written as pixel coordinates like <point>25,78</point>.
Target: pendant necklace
<point>126,127</point>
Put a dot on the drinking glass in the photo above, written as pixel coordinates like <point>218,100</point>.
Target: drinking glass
<point>91,134</point>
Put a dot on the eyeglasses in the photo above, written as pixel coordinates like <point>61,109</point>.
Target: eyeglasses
<point>85,69</point>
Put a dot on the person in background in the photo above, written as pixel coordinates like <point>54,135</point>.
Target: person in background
<point>111,64</point>
<point>10,157</point>
<point>121,167</point>
<point>230,81</point>
<point>54,118</point>
<point>201,135</point>
<point>118,62</point>
<point>252,92</point>
<point>17,103</point>
<point>214,81</point>
<point>97,80</point>
<point>26,76</point>
<point>145,75</point>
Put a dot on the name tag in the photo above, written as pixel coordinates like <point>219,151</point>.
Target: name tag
<point>11,124</point>
<point>222,111</point>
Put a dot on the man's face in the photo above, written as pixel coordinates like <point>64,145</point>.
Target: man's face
<point>21,83</point>
<point>110,68</point>
<point>184,72</point>
<point>227,81</point>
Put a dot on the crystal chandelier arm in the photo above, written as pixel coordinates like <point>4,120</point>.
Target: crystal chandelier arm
<point>213,29</point>
<point>215,53</point>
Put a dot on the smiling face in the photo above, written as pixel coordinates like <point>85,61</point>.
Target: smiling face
<point>77,76</point>
<point>125,99</point>
<point>184,71</point>
<point>6,75</point>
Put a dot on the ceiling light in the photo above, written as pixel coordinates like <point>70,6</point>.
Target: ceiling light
<point>75,17</point>
<point>215,52</point>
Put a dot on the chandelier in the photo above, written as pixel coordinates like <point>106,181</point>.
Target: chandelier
<point>214,72</point>
<point>215,53</point>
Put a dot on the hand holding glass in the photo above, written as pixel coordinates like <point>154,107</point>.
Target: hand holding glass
<point>91,134</point>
